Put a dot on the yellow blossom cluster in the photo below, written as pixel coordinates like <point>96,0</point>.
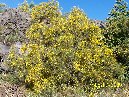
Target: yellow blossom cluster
<point>67,49</point>
<point>24,6</point>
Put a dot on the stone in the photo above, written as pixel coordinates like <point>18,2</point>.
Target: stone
<point>99,23</point>
<point>14,24</point>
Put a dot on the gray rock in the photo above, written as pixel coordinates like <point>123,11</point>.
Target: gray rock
<point>14,24</point>
<point>4,49</point>
<point>99,23</point>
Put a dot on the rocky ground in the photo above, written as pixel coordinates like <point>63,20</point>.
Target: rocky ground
<point>9,90</point>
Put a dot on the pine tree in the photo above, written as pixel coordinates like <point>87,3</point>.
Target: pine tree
<point>31,5</point>
<point>117,31</point>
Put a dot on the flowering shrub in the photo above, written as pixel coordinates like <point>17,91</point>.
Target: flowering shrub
<point>46,11</point>
<point>64,50</point>
<point>26,7</point>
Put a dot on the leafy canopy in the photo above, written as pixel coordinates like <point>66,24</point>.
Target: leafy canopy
<point>117,32</point>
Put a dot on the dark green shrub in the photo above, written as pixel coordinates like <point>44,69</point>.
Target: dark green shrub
<point>117,33</point>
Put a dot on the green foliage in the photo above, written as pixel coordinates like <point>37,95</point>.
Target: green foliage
<point>45,12</point>
<point>117,28</point>
<point>116,33</point>
<point>64,50</point>
<point>2,7</point>
<point>26,7</point>
<point>31,5</point>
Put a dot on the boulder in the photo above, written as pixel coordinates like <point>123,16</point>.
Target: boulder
<point>99,23</point>
<point>13,25</point>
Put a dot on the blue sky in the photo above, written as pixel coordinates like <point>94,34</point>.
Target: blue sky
<point>94,9</point>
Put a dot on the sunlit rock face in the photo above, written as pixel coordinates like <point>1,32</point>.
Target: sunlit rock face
<point>4,50</point>
<point>13,25</point>
<point>101,24</point>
